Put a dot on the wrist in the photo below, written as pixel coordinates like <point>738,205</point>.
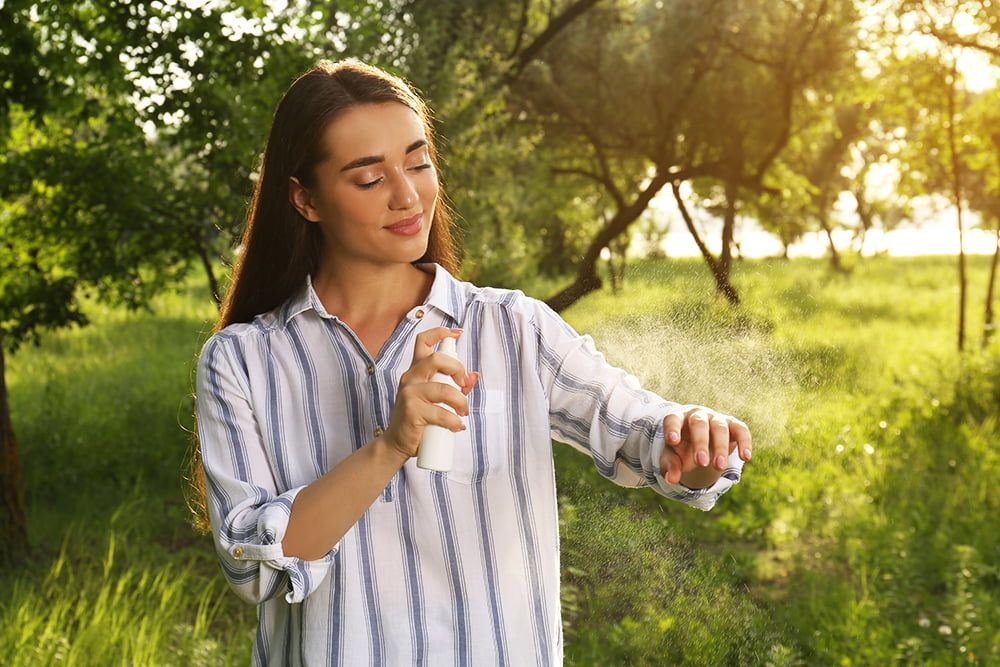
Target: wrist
<point>384,452</point>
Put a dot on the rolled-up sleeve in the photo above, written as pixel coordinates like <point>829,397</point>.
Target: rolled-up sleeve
<point>603,411</point>
<point>248,513</point>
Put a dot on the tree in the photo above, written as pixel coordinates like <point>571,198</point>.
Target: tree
<point>74,217</point>
<point>932,76</point>
<point>631,98</point>
<point>129,132</point>
<point>982,187</point>
<point>465,57</point>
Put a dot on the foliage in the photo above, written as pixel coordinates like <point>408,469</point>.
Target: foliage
<point>115,607</point>
<point>851,539</point>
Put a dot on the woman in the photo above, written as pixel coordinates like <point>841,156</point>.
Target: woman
<point>315,388</point>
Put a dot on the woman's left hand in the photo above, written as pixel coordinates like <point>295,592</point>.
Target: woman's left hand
<point>696,436</point>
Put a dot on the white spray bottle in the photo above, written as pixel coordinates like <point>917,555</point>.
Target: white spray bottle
<point>437,448</point>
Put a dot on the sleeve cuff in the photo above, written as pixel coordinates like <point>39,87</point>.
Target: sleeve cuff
<point>703,499</point>
<point>304,575</point>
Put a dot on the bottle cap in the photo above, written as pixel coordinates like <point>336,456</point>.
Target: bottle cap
<point>449,347</point>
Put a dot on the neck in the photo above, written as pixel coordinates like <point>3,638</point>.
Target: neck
<point>362,291</point>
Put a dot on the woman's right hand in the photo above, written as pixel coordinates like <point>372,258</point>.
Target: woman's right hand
<point>417,393</point>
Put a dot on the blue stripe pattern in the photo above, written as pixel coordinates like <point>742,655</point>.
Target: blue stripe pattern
<point>443,568</point>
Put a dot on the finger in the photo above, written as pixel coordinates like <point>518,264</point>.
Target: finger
<point>740,432</point>
<point>671,465</point>
<point>697,423</point>
<point>439,362</point>
<point>672,425</point>
<point>427,341</point>
<point>438,392</point>
<point>435,414</point>
<point>719,428</point>
<point>472,383</point>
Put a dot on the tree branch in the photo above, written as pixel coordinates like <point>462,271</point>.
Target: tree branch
<point>952,39</point>
<point>554,27</point>
<point>689,222</point>
<point>603,180</point>
<point>521,25</point>
<point>593,138</point>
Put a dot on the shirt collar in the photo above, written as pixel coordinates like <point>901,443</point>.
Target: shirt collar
<point>446,295</point>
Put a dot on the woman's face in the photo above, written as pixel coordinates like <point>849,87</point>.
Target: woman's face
<point>377,173</point>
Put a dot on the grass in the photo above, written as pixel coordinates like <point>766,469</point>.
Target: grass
<point>859,535</point>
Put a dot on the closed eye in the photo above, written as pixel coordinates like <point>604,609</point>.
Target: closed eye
<point>368,186</point>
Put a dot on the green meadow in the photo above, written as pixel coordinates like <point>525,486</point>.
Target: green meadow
<point>863,531</point>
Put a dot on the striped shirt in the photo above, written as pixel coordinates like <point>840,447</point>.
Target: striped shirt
<point>458,567</point>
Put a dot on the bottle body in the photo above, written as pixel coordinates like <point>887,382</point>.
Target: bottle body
<point>437,447</point>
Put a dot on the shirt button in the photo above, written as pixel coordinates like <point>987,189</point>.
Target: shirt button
<point>419,314</point>
<point>371,370</point>
<point>378,431</point>
<point>237,552</point>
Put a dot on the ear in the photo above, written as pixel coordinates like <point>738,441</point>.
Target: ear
<point>300,197</point>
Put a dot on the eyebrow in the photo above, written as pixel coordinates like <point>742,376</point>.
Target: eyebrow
<point>375,159</point>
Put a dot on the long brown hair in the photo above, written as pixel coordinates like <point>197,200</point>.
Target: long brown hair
<point>278,248</point>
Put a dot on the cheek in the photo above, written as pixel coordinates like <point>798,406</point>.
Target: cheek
<point>354,204</point>
<point>429,189</point>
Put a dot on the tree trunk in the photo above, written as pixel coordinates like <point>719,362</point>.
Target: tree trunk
<point>586,280</point>
<point>864,214</point>
<point>723,285</point>
<point>612,272</point>
<point>834,256</point>
<point>956,184</point>
<point>728,227</point>
<point>13,527</point>
<point>618,249</point>
<point>719,272</point>
<point>860,238</point>
<point>961,283</point>
<point>988,326</point>
<point>213,284</point>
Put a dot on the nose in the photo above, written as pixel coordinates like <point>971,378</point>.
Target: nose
<point>404,194</point>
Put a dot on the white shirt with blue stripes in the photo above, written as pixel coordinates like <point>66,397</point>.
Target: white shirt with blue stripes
<point>443,568</point>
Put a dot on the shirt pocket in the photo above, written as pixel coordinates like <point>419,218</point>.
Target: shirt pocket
<point>481,450</point>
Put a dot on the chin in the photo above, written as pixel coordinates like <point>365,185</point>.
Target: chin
<point>415,252</point>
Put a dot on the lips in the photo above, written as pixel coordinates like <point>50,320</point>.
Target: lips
<point>405,222</point>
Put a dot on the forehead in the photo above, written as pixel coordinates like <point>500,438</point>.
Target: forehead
<point>372,129</point>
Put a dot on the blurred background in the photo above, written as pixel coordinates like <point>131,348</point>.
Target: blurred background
<point>787,210</point>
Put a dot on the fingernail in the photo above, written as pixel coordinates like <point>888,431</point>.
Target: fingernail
<point>720,461</point>
<point>464,427</point>
<point>674,436</point>
<point>454,330</point>
<point>702,458</point>
<point>749,454</point>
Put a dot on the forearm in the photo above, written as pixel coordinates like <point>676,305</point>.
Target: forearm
<point>325,510</point>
